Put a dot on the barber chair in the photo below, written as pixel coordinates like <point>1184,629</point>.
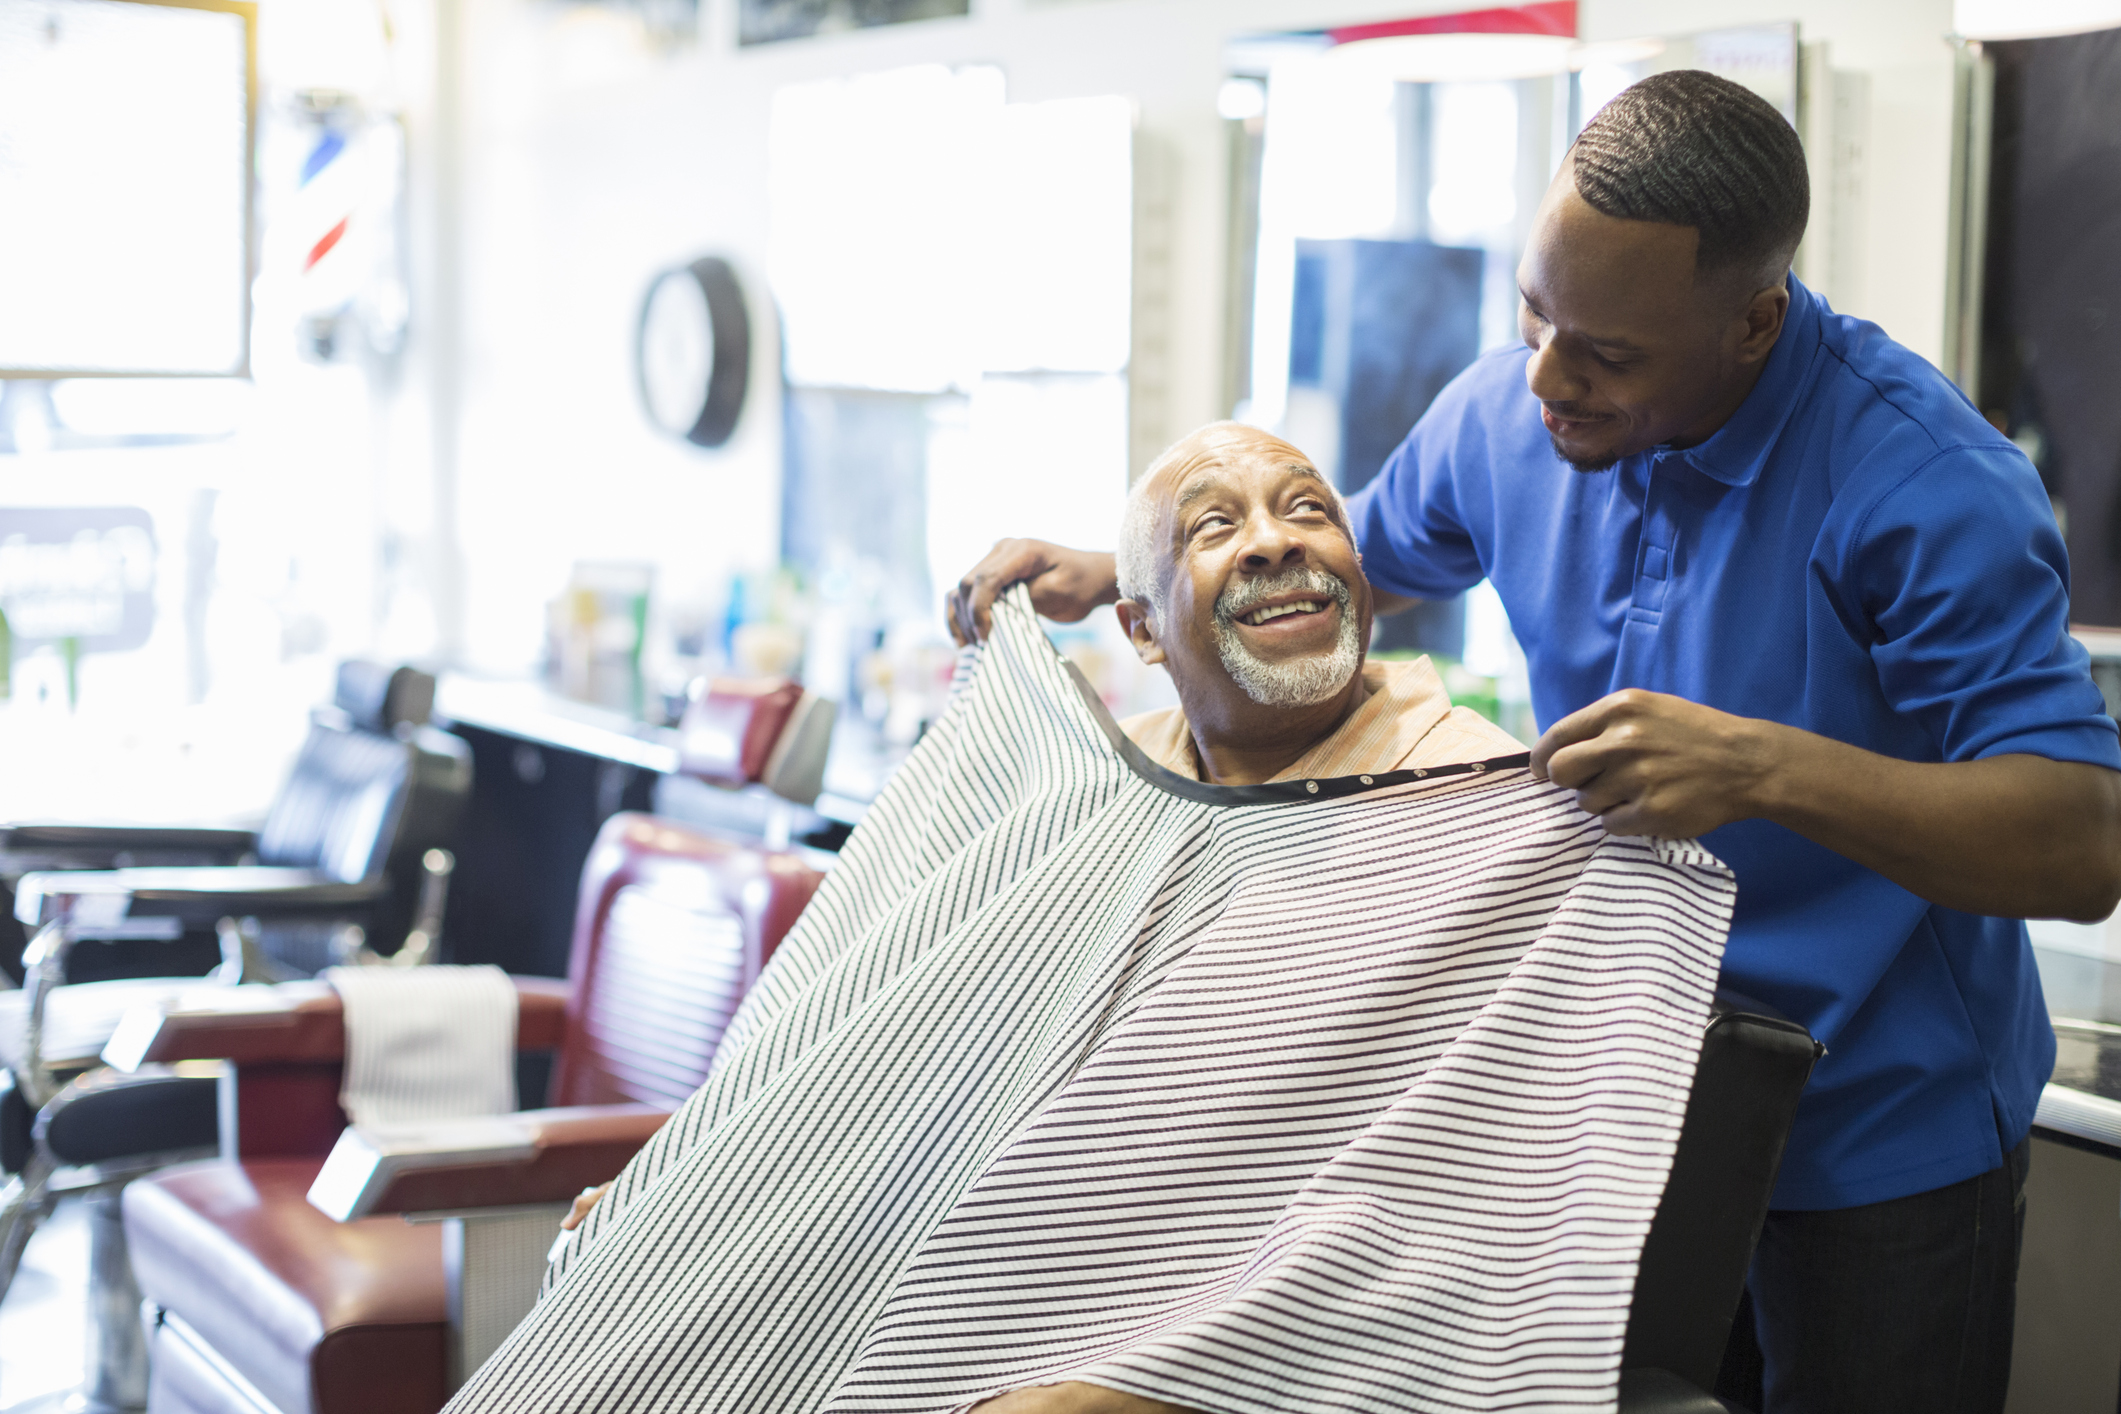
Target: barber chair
<point>350,853</point>
<point>261,1302</point>
<point>372,790</point>
<point>751,758</point>
<point>1753,1067</point>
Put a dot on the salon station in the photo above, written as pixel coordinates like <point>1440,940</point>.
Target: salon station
<point>1060,707</point>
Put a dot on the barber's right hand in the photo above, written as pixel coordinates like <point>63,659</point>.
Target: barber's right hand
<point>1065,585</point>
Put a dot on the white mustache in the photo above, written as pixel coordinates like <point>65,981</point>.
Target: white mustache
<point>1301,579</point>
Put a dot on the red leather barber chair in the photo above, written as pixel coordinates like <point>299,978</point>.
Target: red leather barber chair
<point>260,1303</point>
<point>751,759</point>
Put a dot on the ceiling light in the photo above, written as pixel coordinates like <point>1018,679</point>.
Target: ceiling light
<point>2032,19</point>
<point>1455,58</point>
<point>1466,58</point>
<point>1614,51</point>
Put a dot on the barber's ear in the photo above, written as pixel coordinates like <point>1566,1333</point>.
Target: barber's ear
<point>1134,618</point>
<point>1763,317</point>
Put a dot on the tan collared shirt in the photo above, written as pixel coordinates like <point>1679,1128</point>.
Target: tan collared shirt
<point>1407,721</point>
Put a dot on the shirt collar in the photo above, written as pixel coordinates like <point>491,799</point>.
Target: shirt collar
<point>1406,700</point>
<point>1739,448</point>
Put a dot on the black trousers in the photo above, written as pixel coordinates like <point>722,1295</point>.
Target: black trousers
<point>1898,1306</point>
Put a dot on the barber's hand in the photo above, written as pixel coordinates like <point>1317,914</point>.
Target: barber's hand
<point>1649,764</point>
<point>1074,1397</point>
<point>1065,585</point>
<point>585,1200</point>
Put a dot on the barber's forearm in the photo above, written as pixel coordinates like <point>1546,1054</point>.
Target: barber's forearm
<point>2008,836</point>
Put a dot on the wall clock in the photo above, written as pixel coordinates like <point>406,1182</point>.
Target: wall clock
<point>692,352</point>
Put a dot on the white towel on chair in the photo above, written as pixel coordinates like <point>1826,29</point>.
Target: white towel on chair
<point>427,1042</point>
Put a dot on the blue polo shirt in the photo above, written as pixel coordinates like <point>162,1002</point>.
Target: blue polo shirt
<point>1856,553</point>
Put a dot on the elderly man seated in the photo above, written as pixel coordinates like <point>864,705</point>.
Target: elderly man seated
<point>1241,578</point>
<point>1288,1055</point>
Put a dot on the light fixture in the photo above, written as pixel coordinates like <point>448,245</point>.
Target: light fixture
<point>2032,19</point>
<point>1468,58</point>
<point>1241,98</point>
<point>1614,51</point>
<point>1454,58</point>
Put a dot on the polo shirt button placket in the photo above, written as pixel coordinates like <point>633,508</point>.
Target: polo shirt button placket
<point>1653,563</point>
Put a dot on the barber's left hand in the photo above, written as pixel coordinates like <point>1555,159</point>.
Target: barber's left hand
<point>1074,1397</point>
<point>1649,764</point>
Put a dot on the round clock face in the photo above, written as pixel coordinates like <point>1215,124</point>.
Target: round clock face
<point>694,352</point>
<point>676,352</point>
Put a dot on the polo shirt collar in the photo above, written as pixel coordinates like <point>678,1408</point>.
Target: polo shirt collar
<point>1740,448</point>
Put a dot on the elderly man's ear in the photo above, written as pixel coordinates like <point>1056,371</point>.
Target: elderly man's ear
<point>1134,618</point>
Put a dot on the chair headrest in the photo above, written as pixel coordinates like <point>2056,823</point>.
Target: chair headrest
<point>731,727</point>
<point>381,699</point>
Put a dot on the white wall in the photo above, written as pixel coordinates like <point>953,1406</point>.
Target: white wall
<point>592,161</point>
<point>1899,45</point>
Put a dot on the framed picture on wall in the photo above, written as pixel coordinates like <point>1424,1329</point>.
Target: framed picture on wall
<point>765,21</point>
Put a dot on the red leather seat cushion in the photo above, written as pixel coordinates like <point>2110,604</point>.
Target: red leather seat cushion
<point>321,1316</point>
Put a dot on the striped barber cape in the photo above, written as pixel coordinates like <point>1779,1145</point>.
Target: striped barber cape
<point>1351,1094</point>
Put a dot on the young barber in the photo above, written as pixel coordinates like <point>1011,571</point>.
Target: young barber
<point>1780,587</point>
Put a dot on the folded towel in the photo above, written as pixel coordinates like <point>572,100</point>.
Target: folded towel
<point>427,1042</point>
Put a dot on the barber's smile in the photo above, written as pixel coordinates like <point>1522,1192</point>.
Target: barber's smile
<point>1573,425</point>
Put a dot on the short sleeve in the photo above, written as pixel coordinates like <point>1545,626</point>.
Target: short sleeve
<point>1964,581</point>
<point>1409,522</point>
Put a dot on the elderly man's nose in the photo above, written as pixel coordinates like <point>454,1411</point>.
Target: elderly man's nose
<point>1273,546</point>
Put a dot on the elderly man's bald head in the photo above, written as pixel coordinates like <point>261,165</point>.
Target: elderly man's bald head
<point>1145,544</point>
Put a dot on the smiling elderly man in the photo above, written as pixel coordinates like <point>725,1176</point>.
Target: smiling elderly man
<point>1085,1086</point>
<point>1241,578</point>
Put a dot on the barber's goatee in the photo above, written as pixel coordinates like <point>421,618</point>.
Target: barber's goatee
<point>1605,462</point>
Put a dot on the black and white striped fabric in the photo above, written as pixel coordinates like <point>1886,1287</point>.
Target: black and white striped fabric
<point>1338,1095</point>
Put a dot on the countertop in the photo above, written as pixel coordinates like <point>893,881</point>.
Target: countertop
<point>855,771</point>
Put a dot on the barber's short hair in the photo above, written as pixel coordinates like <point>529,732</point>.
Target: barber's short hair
<point>1691,149</point>
<point>1142,544</point>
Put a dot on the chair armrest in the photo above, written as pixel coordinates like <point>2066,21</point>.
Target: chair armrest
<point>40,846</point>
<point>98,897</point>
<point>291,1023</point>
<point>497,1161</point>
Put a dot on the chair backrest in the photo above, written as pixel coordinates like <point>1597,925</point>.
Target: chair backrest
<point>361,804</point>
<point>339,807</point>
<point>757,731</point>
<point>671,928</point>
<point>1753,1068</point>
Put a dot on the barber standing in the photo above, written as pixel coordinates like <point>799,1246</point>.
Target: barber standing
<point>1782,588</point>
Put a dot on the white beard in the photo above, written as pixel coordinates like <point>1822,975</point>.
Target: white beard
<point>1297,682</point>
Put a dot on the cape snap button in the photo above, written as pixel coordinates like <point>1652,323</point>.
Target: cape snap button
<point>1366,780</point>
<point>1311,786</point>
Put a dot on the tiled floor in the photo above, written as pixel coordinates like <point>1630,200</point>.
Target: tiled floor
<point>44,1321</point>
